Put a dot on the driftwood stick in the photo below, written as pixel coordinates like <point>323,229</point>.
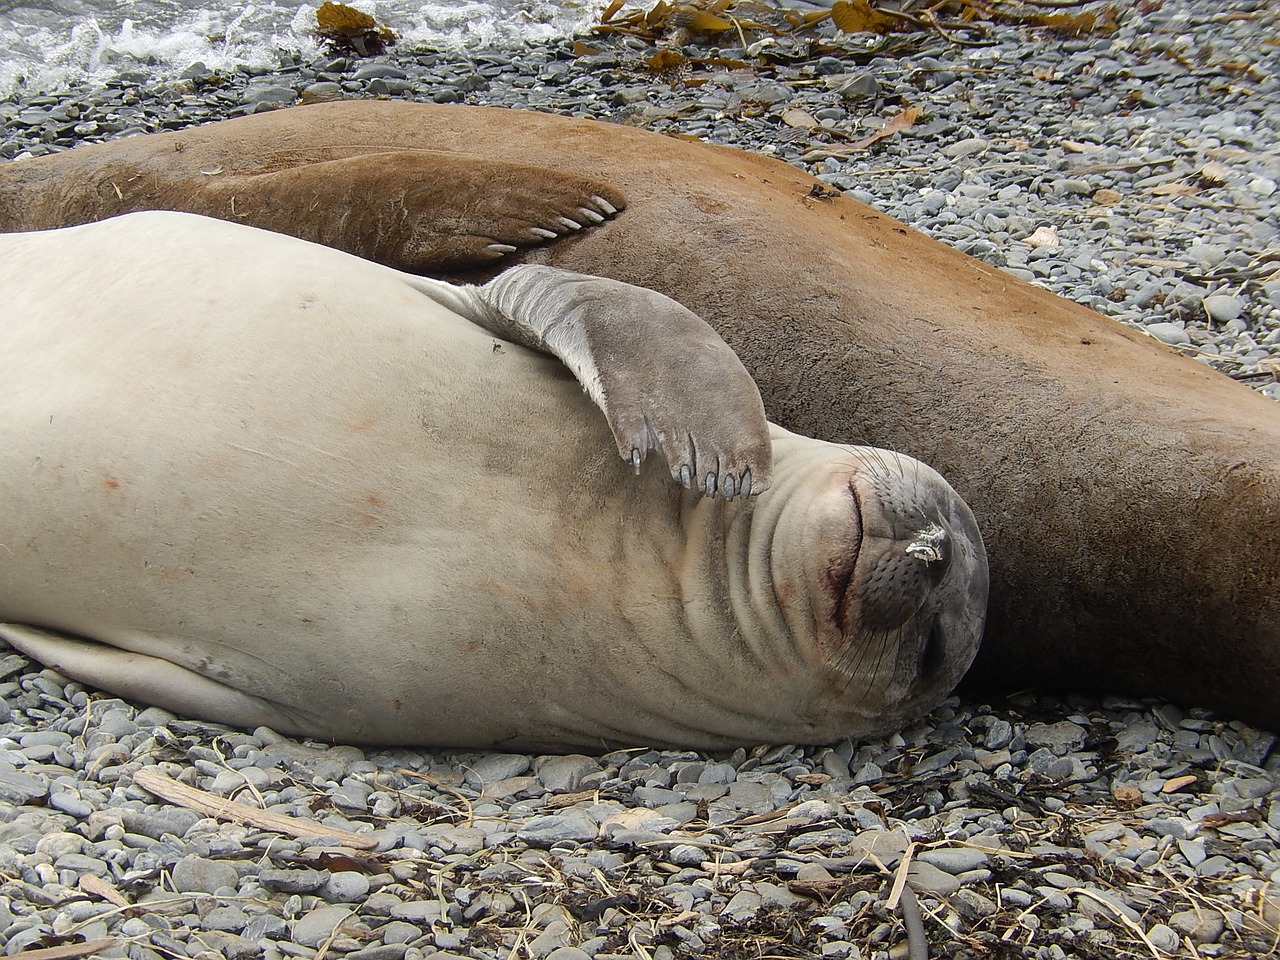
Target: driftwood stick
<point>166,788</point>
<point>70,951</point>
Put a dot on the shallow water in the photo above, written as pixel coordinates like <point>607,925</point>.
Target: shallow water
<point>46,43</point>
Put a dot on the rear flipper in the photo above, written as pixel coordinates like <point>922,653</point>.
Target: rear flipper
<point>419,211</point>
<point>136,676</point>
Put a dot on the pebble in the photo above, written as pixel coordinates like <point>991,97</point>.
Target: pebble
<point>1222,308</point>
<point>198,875</point>
<point>546,831</point>
<point>1170,333</point>
<point>345,887</point>
<point>954,860</point>
<point>995,793</point>
<point>497,766</point>
<point>316,926</point>
<point>927,878</point>
<point>565,774</point>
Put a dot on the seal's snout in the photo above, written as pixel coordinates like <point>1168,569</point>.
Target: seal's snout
<point>915,600</point>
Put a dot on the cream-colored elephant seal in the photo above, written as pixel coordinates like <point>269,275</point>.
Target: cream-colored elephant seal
<point>259,481</point>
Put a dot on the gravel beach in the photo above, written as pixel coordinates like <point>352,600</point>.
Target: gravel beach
<point>1135,172</point>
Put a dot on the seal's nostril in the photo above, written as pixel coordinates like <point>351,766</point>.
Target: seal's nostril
<point>932,544</point>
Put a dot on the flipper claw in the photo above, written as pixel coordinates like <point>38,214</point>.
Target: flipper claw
<point>502,248</point>
<point>709,485</point>
<point>635,459</point>
<point>592,215</point>
<point>746,482</point>
<point>730,487</point>
<point>686,476</point>
<point>608,208</point>
<point>543,233</point>
<point>571,224</point>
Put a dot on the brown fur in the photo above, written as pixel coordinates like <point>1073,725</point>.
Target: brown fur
<point>1130,498</point>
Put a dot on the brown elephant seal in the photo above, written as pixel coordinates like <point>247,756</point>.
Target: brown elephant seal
<point>261,481</point>
<point>1129,497</point>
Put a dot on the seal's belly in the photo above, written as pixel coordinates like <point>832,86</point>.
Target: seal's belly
<point>295,474</point>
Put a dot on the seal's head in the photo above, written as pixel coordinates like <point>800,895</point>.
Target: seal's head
<point>879,575</point>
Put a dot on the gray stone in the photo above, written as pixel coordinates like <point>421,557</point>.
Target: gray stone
<point>965,148</point>
<point>744,905</point>
<point>292,881</point>
<point>859,87</point>
<point>497,766</point>
<point>545,831</point>
<point>1169,333</point>
<point>954,860</point>
<point>265,926</point>
<point>416,911</point>
<point>314,928</point>
<point>1216,867</point>
<point>1254,788</point>
<point>1221,308</point>
<point>1202,926</point>
<point>1193,851</point>
<point>1176,827</point>
<point>269,95</point>
<point>564,774</point>
<point>686,855</point>
<point>553,937</point>
<point>231,919</point>
<point>381,71</point>
<point>346,886</point>
<point>972,905</point>
<point>16,787</point>
<point>1060,737</point>
<point>198,875</point>
<point>718,774</point>
<point>885,846</point>
<point>398,931</point>
<point>381,951</point>
<point>1138,736</point>
<point>1164,938</point>
<point>999,735</point>
<point>928,879</point>
<point>60,844</point>
<point>156,824</point>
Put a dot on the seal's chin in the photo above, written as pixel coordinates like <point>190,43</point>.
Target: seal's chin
<point>908,592</point>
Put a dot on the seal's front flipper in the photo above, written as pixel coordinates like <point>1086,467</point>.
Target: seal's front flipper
<point>137,676</point>
<point>663,378</point>
<point>420,211</point>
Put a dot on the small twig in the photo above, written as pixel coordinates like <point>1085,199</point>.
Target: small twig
<point>333,935</point>
<point>917,942</point>
<point>470,814</point>
<point>193,798</point>
<point>1136,928</point>
<point>71,951</point>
